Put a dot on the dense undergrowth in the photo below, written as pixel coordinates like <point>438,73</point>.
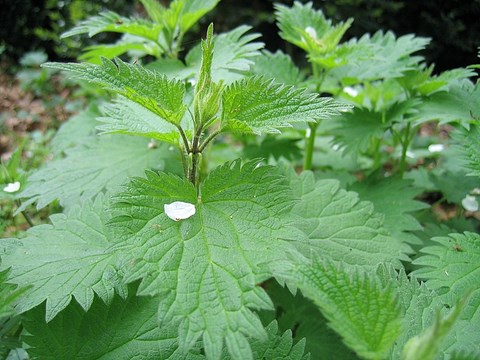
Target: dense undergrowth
<point>219,202</point>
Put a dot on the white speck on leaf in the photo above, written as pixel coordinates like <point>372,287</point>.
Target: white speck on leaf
<point>470,203</point>
<point>436,148</point>
<point>12,187</point>
<point>410,154</point>
<point>311,31</point>
<point>179,210</point>
<point>350,91</point>
<point>152,144</point>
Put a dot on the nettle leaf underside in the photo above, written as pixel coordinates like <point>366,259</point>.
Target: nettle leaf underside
<point>153,91</point>
<point>206,266</point>
<point>260,105</point>
<point>127,117</point>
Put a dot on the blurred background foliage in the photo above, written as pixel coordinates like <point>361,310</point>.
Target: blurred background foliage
<point>453,25</point>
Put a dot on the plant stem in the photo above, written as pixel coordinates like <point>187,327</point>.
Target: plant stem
<point>320,74</point>
<point>405,143</point>
<point>208,140</point>
<point>25,214</point>
<point>194,169</point>
<point>195,152</point>
<point>310,145</point>
<point>376,153</point>
<point>184,138</point>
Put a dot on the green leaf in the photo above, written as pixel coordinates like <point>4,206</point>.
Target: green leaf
<point>355,130</point>
<point>173,68</point>
<point>461,103</point>
<point>10,344</point>
<point>426,345</point>
<point>468,144</point>
<point>385,195</point>
<point>358,306</point>
<point>277,66</point>
<point>124,329</point>
<point>308,28</point>
<point>185,13</point>
<point>451,266</point>
<point>274,147</point>
<point>123,116</point>
<point>155,10</point>
<point>420,305</point>
<point>260,106</point>
<point>9,294</point>
<point>380,56</point>
<point>206,266</point>
<point>192,11</point>
<point>335,224</point>
<point>79,130</point>
<point>149,89</point>
<point>70,258</point>
<point>301,315</point>
<point>421,81</point>
<point>232,54</point>
<point>95,53</point>
<point>110,21</point>
<point>88,170</point>
<point>276,346</point>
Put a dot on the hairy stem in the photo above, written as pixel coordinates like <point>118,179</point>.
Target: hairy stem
<point>208,140</point>
<point>310,145</point>
<point>193,178</point>
<point>184,138</point>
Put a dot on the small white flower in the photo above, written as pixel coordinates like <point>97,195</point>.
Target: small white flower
<point>436,148</point>
<point>311,31</point>
<point>470,203</point>
<point>410,154</point>
<point>350,91</point>
<point>179,210</point>
<point>12,187</point>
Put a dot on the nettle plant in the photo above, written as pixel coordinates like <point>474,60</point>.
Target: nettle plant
<point>165,250</point>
